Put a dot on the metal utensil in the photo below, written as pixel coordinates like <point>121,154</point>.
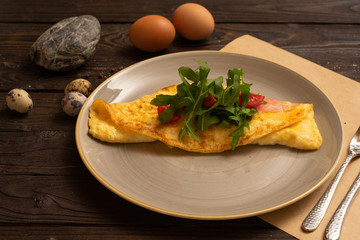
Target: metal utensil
<point>333,229</point>
<point>315,216</point>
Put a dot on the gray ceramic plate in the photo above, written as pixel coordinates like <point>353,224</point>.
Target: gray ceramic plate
<point>248,181</point>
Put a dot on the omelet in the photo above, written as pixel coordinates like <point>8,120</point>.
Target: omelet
<point>276,122</point>
<point>301,135</point>
<point>103,127</point>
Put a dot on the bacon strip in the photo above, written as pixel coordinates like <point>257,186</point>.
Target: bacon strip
<point>273,105</point>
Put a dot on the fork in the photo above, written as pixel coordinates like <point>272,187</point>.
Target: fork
<point>313,219</point>
<point>333,229</point>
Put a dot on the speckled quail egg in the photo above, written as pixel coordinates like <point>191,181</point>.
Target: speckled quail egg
<point>19,100</point>
<point>72,103</point>
<point>79,85</point>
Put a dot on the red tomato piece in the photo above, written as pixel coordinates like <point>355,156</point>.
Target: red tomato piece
<point>254,100</point>
<point>162,108</point>
<point>209,101</point>
<point>175,118</point>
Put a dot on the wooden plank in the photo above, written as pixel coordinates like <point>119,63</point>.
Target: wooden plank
<point>115,52</point>
<point>317,11</point>
<point>251,228</point>
<point>46,115</point>
<point>63,200</point>
<point>44,181</point>
<point>40,153</point>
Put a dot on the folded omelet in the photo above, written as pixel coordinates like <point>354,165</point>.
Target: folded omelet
<point>276,122</point>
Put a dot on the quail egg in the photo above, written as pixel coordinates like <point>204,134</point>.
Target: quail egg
<point>79,85</point>
<point>19,100</point>
<point>72,103</point>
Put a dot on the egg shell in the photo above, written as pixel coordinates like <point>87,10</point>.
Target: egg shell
<point>193,21</point>
<point>152,33</point>
<point>72,103</point>
<point>79,85</point>
<point>19,100</point>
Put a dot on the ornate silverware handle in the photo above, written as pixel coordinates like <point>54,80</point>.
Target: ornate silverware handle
<point>313,219</point>
<point>333,229</point>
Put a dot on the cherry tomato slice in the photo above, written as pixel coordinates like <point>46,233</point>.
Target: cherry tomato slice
<point>254,100</point>
<point>175,118</point>
<point>209,101</point>
<point>162,108</point>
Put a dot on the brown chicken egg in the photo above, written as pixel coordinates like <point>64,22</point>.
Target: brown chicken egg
<point>152,33</point>
<point>193,21</point>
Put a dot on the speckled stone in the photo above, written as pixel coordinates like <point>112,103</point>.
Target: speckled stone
<point>68,44</point>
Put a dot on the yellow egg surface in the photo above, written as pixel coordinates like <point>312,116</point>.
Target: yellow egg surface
<point>132,121</point>
<point>301,135</point>
<point>193,21</point>
<point>103,127</point>
<point>152,33</point>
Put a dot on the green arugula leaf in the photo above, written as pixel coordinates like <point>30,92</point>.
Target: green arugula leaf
<point>198,91</point>
<point>224,124</point>
<point>232,91</point>
<point>204,121</point>
<point>189,74</point>
<point>236,135</point>
<point>166,115</point>
<point>163,99</point>
<point>194,88</point>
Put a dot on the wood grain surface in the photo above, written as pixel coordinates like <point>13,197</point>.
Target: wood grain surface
<point>45,190</point>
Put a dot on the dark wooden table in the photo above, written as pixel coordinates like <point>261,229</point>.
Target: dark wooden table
<point>45,190</point>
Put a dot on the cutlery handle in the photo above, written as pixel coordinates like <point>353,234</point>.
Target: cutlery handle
<point>313,219</point>
<point>333,229</point>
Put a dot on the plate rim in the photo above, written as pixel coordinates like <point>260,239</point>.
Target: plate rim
<point>199,216</point>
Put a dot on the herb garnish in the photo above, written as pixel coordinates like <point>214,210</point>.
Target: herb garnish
<point>225,112</point>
